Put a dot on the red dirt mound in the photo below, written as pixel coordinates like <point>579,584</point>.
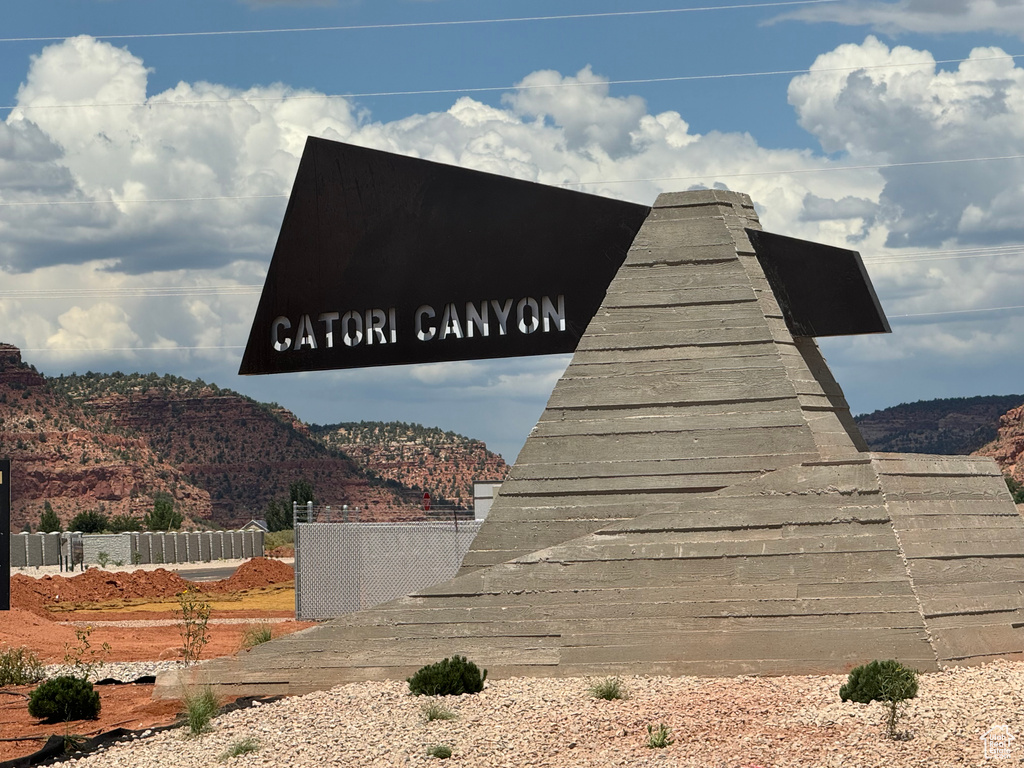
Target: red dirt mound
<point>258,572</point>
<point>93,586</point>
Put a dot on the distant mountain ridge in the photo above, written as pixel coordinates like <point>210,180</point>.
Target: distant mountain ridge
<point>950,426</point>
<point>408,454</point>
<point>92,439</point>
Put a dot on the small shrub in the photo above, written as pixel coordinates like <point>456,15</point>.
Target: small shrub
<point>64,698</point>
<point>660,737</point>
<point>200,707</point>
<point>256,635</point>
<point>82,658</point>
<point>886,681</point>
<point>450,677</point>
<point>193,616</point>
<point>433,710</point>
<point>440,751</point>
<point>103,559</point>
<point>866,683</point>
<point>19,666</point>
<point>240,747</point>
<point>609,689</point>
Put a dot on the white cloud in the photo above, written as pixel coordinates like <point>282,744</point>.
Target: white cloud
<point>916,112</point>
<point>927,16</point>
<point>569,131</point>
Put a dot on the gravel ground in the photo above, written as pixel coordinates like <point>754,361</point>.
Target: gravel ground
<point>716,722</point>
<point>125,671</point>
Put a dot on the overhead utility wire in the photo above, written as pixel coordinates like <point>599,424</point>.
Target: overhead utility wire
<point>824,169</point>
<point>128,349</point>
<point>497,88</point>
<point>711,175</point>
<point>94,293</point>
<point>956,312</point>
<point>415,24</point>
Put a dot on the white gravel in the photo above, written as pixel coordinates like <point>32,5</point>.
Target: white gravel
<point>716,722</point>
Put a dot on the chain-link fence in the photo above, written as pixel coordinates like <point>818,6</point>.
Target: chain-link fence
<point>342,567</point>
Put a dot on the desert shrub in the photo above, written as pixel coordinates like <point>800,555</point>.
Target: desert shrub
<point>434,710</point>
<point>240,747</point>
<point>871,682</point>
<point>19,666</point>
<point>441,751</point>
<point>450,677</point>
<point>200,707</point>
<point>193,615</point>
<point>276,539</point>
<point>64,698</point>
<point>660,737</point>
<point>608,689</point>
<point>256,635</point>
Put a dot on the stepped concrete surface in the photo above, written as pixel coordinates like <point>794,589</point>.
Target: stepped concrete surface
<point>695,499</point>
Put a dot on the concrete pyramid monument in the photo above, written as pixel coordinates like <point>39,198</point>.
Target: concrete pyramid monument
<point>696,499</point>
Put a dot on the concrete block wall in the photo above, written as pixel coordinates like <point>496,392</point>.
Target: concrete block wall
<point>112,547</point>
<point>38,549</point>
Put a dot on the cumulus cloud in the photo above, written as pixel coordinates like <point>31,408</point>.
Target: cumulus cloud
<point>228,156</point>
<point>916,112</point>
<point>927,16</point>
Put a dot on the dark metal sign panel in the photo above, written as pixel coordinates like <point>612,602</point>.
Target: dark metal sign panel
<point>384,260</point>
<point>5,534</point>
<point>822,290</point>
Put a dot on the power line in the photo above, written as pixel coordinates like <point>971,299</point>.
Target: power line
<point>957,312</point>
<point>416,24</point>
<point>697,177</point>
<point>502,88</point>
<point>822,169</point>
<point>945,255</point>
<point>101,293</point>
<point>127,349</point>
<point>154,200</point>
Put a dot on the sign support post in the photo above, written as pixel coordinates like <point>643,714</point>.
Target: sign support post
<point>5,534</point>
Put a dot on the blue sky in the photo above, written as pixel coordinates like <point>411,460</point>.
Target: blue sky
<point>134,232</point>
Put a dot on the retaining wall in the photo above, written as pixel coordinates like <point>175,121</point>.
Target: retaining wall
<point>37,549</point>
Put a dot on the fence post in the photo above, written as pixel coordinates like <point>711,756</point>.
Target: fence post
<point>298,561</point>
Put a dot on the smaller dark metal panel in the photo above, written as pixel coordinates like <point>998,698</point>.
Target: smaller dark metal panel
<point>403,261</point>
<point>5,534</point>
<point>822,290</point>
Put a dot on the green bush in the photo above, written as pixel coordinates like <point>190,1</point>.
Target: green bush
<point>608,689</point>
<point>440,751</point>
<point>879,681</point>
<point>64,698</point>
<point>19,666</point>
<point>434,710</point>
<point>450,677</point>
<point>660,737</point>
<point>200,707</point>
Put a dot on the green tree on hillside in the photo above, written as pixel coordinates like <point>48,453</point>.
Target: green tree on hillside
<point>278,514</point>
<point>123,523</point>
<point>164,516</point>
<point>48,520</point>
<point>90,521</point>
<point>301,491</point>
